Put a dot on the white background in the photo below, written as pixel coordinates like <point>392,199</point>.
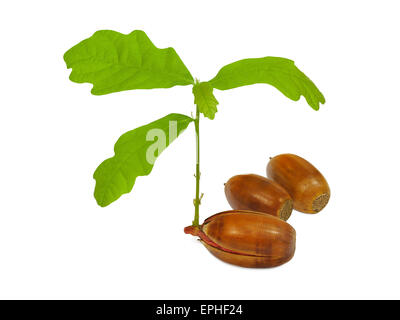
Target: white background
<point>55,242</point>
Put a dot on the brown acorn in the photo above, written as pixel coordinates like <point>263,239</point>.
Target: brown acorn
<point>256,193</point>
<point>247,239</point>
<point>305,184</point>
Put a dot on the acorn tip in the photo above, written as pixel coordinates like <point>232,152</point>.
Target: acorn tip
<point>194,231</point>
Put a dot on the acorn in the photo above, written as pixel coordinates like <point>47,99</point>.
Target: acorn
<point>256,193</point>
<point>246,238</point>
<point>305,184</point>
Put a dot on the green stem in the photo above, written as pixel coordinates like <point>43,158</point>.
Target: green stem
<point>197,199</point>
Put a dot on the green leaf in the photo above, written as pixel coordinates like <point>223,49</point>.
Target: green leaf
<point>135,153</point>
<point>114,62</point>
<point>205,100</point>
<point>278,72</point>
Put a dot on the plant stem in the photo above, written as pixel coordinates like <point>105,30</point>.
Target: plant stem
<point>197,199</point>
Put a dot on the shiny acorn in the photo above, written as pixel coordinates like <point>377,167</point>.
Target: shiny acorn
<point>305,184</point>
<point>247,239</point>
<point>256,193</point>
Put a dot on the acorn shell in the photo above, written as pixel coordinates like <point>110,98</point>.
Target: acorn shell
<point>305,184</point>
<point>256,193</point>
<point>247,239</point>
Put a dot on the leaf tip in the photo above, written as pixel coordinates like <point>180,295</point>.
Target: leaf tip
<point>138,31</point>
<point>100,198</point>
<point>102,205</point>
<point>321,100</point>
<point>66,59</point>
<point>95,92</point>
<point>98,92</point>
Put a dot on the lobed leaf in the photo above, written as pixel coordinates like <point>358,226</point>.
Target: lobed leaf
<point>114,62</point>
<point>205,99</point>
<point>278,72</point>
<point>116,176</point>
